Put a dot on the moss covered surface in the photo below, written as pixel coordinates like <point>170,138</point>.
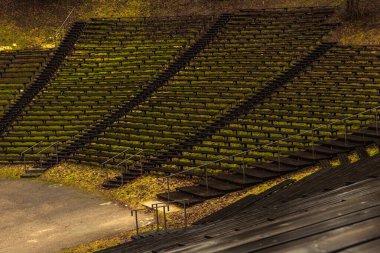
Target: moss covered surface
<point>35,25</point>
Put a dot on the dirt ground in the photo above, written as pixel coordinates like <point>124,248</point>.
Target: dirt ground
<point>41,217</point>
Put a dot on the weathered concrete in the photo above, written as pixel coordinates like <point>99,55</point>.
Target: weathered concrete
<point>41,217</point>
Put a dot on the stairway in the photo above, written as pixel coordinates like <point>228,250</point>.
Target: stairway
<point>65,47</point>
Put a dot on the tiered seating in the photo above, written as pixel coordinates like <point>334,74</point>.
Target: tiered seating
<point>17,70</point>
<point>113,60</point>
<point>343,82</point>
<point>250,51</point>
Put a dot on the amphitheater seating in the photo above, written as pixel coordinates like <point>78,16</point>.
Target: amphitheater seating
<point>250,51</point>
<point>341,83</point>
<point>112,61</point>
<point>336,209</point>
<point>17,71</point>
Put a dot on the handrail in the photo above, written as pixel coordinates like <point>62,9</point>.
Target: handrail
<point>109,159</point>
<point>57,31</point>
<point>104,163</point>
<point>22,153</point>
<point>271,143</point>
<point>125,161</point>
<point>129,158</point>
<point>55,143</point>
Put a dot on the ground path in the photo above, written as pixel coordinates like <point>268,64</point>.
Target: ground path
<point>41,217</point>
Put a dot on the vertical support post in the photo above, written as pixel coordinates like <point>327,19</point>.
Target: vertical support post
<point>345,133</point>
<point>376,122</point>
<point>312,143</point>
<point>168,187</point>
<point>185,213</point>
<point>244,168</point>
<point>136,220</point>
<point>206,179</point>
<point>24,158</point>
<point>278,154</point>
<point>122,174</point>
<point>155,207</point>
<point>107,176</point>
<point>164,209</point>
<point>56,152</point>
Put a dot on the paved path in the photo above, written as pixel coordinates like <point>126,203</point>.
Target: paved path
<point>41,217</point>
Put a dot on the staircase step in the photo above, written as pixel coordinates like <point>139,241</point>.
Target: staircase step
<point>274,167</point>
<point>308,156</point>
<point>258,173</point>
<point>111,185</point>
<point>238,179</point>
<point>179,196</point>
<point>358,138</point>
<point>373,127</point>
<point>31,175</point>
<point>219,185</point>
<point>132,174</point>
<point>201,191</point>
<point>35,170</point>
<point>369,133</point>
<point>125,177</point>
<point>342,144</point>
<point>291,162</point>
<point>326,150</point>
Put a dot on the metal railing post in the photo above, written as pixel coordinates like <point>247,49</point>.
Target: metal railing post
<point>24,158</point>
<point>168,188</point>
<point>376,122</point>
<point>56,152</point>
<point>164,209</point>
<point>136,220</point>
<point>23,153</point>
<point>155,207</point>
<point>278,155</point>
<point>312,144</point>
<point>206,179</point>
<point>59,30</point>
<point>185,213</point>
<point>345,133</point>
<point>107,176</point>
<point>244,168</point>
<point>40,153</point>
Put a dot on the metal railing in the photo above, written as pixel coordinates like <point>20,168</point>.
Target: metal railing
<point>55,145</point>
<point>278,144</point>
<point>126,166</point>
<point>134,212</point>
<point>31,148</point>
<point>40,153</point>
<point>125,161</point>
<point>165,208</point>
<point>61,29</point>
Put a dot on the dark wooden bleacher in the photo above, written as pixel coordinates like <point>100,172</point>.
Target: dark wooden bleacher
<point>334,210</point>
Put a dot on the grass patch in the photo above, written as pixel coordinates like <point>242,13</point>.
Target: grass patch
<point>11,171</point>
<point>353,157</point>
<point>90,179</point>
<point>100,244</point>
<point>335,162</point>
<point>372,150</point>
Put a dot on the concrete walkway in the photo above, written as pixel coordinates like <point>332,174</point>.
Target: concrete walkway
<point>41,217</point>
